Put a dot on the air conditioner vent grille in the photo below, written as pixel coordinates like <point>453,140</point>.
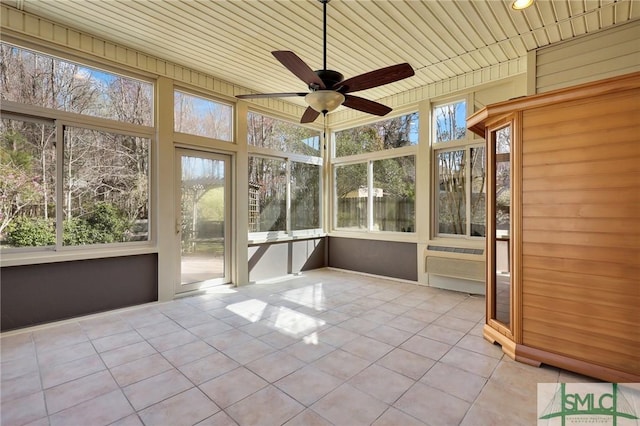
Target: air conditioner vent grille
<point>461,250</point>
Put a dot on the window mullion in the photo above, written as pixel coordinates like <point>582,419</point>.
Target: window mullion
<point>288,195</point>
<point>59,184</point>
<point>370,195</point>
<point>467,189</point>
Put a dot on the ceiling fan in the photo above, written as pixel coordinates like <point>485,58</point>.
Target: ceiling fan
<point>328,88</point>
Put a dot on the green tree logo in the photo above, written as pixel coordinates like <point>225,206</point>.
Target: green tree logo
<point>584,404</point>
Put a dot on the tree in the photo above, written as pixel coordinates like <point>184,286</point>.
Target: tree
<point>203,117</point>
<point>452,190</point>
<point>450,121</point>
<point>279,135</point>
<point>18,189</point>
<point>269,177</point>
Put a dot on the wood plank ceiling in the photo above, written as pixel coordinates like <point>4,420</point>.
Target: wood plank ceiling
<point>232,39</point>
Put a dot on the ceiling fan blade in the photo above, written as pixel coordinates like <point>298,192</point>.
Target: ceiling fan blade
<point>365,105</point>
<point>309,115</point>
<point>271,95</point>
<point>298,67</point>
<point>376,78</point>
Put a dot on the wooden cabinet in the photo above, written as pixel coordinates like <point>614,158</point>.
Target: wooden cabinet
<point>564,195</point>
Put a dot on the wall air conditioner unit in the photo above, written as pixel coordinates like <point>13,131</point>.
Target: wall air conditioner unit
<point>455,262</point>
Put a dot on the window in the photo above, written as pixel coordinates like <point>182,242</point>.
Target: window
<point>376,193</point>
<point>450,122</point>
<point>392,133</point>
<point>503,180</point>
<point>352,196</point>
<point>282,136</point>
<point>103,194</point>
<point>460,175</point>
<point>105,187</point>
<point>284,177</point>
<point>269,178</point>
<point>390,198</point>
<point>201,117</point>
<point>305,196</point>
<point>35,79</point>
<point>28,184</point>
<point>394,183</point>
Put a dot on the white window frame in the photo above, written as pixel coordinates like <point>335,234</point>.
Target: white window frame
<point>60,118</point>
<point>182,136</point>
<point>288,158</point>
<point>466,144</point>
<point>59,252</point>
<point>369,158</point>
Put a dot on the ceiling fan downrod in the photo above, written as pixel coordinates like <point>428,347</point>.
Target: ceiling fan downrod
<point>324,33</point>
<point>331,78</point>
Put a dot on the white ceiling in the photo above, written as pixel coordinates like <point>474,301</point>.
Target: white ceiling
<point>232,39</point>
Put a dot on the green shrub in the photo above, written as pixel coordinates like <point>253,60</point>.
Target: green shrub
<point>107,224</point>
<point>24,231</point>
<point>104,224</point>
<point>76,232</point>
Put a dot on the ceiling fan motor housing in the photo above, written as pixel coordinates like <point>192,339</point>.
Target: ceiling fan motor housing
<point>330,79</point>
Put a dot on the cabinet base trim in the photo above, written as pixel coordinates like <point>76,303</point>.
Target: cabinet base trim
<point>494,336</point>
<point>537,357</point>
<point>577,366</point>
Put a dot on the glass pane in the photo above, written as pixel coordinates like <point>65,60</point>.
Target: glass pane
<point>305,196</point>
<point>478,192</point>
<point>27,184</point>
<point>503,224</point>
<point>393,133</point>
<point>394,192</point>
<point>202,117</point>
<point>35,79</point>
<point>267,195</point>
<point>351,195</point>
<point>450,121</point>
<point>106,187</point>
<point>203,219</point>
<point>503,181</point>
<point>281,135</point>
<point>452,216</point>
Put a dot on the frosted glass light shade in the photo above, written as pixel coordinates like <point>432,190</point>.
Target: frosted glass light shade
<point>521,4</point>
<point>324,101</point>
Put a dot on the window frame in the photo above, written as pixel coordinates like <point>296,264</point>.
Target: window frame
<point>465,144</point>
<point>288,158</point>
<point>106,68</point>
<point>369,158</point>
<point>194,93</point>
<point>59,251</point>
<point>413,109</point>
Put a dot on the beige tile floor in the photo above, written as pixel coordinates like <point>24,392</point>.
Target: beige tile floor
<point>327,347</point>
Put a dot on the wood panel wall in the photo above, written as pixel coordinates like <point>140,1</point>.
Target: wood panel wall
<point>581,229</point>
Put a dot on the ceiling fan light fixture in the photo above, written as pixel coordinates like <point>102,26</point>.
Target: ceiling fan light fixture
<point>521,4</point>
<point>324,101</point>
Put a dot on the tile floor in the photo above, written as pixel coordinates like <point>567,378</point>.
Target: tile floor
<point>327,347</point>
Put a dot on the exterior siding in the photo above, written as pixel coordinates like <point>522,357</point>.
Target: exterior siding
<point>605,54</point>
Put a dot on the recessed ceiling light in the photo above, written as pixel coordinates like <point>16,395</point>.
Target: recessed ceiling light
<point>521,4</point>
